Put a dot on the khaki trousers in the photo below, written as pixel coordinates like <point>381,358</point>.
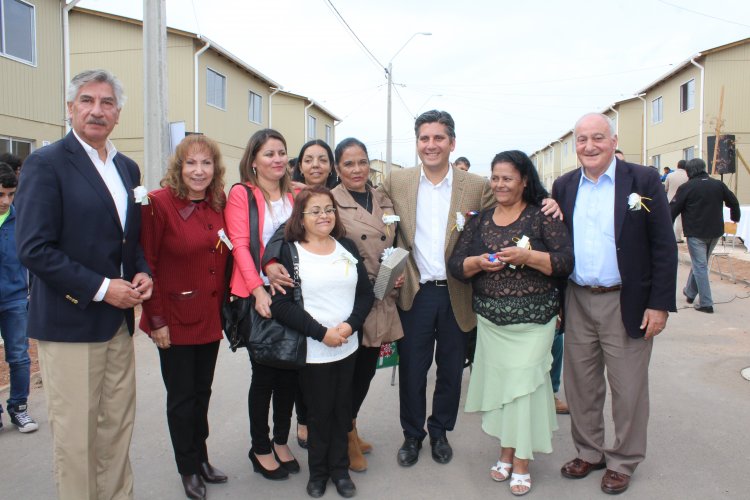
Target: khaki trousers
<point>91,404</point>
<point>595,339</point>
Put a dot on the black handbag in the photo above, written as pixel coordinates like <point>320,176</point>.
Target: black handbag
<point>235,311</point>
<point>274,344</point>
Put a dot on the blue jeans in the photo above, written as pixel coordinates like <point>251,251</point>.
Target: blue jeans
<point>557,360</point>
<point>13,320</point>
<point>697,283</point>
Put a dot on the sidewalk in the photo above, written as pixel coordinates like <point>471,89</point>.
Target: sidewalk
<point>698,439</point>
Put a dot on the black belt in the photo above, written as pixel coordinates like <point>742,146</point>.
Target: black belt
<point>600,289</point>
<point>436,282</point>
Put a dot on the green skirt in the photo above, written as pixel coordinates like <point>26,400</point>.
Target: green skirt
<point>510,383</point>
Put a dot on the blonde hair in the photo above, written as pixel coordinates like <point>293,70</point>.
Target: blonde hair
<point>173,177</point>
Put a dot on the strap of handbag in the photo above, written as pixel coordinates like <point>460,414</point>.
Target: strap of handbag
<point>254,227</point>
<point>296,278</point>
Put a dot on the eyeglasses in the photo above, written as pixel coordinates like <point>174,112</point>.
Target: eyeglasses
<point>316,212</point>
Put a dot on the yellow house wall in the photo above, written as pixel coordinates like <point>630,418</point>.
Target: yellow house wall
<point>289,119</point>
<point>730,68</point>
<point>677,130</point>
<point>31,100</point>
<point>630,130</point>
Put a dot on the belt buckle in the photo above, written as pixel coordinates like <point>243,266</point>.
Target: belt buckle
<point>441,282</point>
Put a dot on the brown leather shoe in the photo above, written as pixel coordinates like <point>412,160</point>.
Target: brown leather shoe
<point>577,468</point>
<point>615,482</point>
<point>560,407</point>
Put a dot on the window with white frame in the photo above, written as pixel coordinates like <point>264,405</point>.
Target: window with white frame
<point>687,95</point>
<point>19,147</point>
<point>657,110</point>
<point>255,112</point>
<point>18,30</point>
<point>216,89</point>
<point>328,135</point>
<point>688,153</point>
<point>311,125</point>
<point>565,149</point>
<point>656,162</point>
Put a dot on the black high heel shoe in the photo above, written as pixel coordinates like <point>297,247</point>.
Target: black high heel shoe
<point>292,466</point>
<point>274,475</point>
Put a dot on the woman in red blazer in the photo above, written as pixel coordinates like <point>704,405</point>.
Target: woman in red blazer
<point>180,240</point>
<point>263,171</point>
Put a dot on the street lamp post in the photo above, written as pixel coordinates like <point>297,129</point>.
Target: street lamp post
<point>388,132</point>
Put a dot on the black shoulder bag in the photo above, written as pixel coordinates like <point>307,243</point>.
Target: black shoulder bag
<point>274,344</point>
<point>235,311</point>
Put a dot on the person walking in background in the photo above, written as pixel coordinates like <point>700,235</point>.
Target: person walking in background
<point>14,304</point>
<point>78,232</point>
<point>617,299</point>
<point>179,238</point>
<point>516,297</point>
<point>362,211</point>
<point>266,183</point>
<point>329,266</point>
<point>673,182</point>
<point>701,202</point>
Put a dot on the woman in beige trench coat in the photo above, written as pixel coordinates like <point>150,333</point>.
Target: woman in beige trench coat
<point>361,210</point>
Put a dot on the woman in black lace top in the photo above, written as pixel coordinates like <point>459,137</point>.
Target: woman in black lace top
<point>517,299</point>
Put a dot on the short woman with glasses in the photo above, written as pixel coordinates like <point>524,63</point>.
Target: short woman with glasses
<point>337,297</point>
<point>264,175</point>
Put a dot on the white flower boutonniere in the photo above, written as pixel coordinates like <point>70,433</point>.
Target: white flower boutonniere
<point>460,221</point>
<point>141,195</point>
<point>635,202</point>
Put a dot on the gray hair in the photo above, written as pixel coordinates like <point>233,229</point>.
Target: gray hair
<point>434,116</point>
<point>96,75</point>
<point>612,130</point>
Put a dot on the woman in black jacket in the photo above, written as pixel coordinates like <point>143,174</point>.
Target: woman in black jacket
<point>337,296</point>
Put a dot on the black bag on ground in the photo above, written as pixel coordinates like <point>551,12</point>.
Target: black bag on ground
<point>274,344</point>
<point>235,311</point>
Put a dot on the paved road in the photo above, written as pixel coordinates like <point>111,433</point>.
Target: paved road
<point>699,444</point>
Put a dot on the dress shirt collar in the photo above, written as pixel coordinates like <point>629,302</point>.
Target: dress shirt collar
<point>448,179</point>
<point>92,152</point>
<point>610,173</point>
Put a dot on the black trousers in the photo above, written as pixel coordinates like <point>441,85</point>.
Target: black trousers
<point>269,383</point>
<point>299,404</point>
<point>364,371</point>
<point>328,393</point>
<point>188,372</point>
<point>430,328</point>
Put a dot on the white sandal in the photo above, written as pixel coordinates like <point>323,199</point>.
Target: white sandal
<point>502,468</point>
<point>523,480</point>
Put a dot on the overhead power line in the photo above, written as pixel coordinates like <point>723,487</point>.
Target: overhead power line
<point>703,14</point>
<point>351,31</point>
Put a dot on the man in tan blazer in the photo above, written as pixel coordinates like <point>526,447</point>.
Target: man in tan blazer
<point>435,308</point>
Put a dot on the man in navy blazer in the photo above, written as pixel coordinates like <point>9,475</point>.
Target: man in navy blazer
<point>616,301</point>
<point>78,233</point>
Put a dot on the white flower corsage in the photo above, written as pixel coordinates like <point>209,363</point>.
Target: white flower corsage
<point>347,258</point>
<point>141,195</point>
<point>460,222</point>
<point>389,219</point>
<point>223,238</point>
<point>635,202</point>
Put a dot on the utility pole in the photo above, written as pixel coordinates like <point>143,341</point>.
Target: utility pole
<point>155,126</point>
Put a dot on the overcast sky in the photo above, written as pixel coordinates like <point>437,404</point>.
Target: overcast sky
<point>514,75</point>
